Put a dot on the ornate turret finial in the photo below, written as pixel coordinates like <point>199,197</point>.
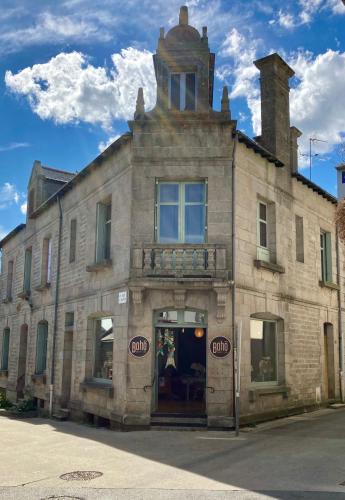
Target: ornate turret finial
<point>140,107</point>
<point>225,100</point>
<point>183,19</point>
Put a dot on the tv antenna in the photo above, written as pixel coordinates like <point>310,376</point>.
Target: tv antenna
<point>311,141</point>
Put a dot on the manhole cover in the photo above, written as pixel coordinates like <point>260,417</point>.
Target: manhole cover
<point>63,497</point>
<point>81,475</point>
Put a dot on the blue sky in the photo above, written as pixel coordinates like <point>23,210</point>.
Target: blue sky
<point>70,69</point>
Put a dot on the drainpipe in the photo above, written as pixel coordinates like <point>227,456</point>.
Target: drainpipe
<point>236,397</point>
<point>340,323</point>
<point>52,376</point>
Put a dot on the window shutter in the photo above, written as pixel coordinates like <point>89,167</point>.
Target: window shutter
<point>5,348</point>
<point>328,249</point>
<point>9,280</point>
<point>73,240</point>
<point>101,232</point>
<point>41,348</point>
<point>27,271</point>
<point>299,239</point>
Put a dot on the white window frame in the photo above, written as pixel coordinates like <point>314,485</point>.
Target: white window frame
<point>263,252</point>
<point>183,89</point>
<point>181,210</point>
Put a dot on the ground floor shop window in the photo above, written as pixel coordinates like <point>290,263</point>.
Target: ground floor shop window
<point>103,353</point>
<point>263,347</point>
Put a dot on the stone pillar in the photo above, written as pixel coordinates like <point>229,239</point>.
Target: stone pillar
<point>275,107</point>
<point>294,135</point>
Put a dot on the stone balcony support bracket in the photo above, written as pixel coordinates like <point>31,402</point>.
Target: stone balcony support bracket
<point>222,294</point>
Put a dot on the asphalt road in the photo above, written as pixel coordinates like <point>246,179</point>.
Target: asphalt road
<point>300,457</point>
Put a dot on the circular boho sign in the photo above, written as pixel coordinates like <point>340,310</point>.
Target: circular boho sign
<point>139,346</point>
<point>220,347</point>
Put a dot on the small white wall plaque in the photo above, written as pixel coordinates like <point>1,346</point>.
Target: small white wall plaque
<point>123,297</point>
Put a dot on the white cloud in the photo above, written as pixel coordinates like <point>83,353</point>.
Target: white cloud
<point>14,145</point>
<point>318,99</point>
<point>48,27</point>
<point>241,73</point>
<point>68,89</point>
<point>104,145</point>
<point>286,20</point>
<point>8,195</point>
<point>24,207</point>
<point>3,232</point>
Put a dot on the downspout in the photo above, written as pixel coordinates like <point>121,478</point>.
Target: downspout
<point>233,278</point>
<point>57,287</point>
<point>340,323</point>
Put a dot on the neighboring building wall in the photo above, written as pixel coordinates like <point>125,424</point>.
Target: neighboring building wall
<point>295,295</point>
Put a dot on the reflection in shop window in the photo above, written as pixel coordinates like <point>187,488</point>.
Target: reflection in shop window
<point>181,316</point>
<point>263,346</point>
<point>104,340</point>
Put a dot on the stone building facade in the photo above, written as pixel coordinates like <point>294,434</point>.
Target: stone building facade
<point>126,292</point>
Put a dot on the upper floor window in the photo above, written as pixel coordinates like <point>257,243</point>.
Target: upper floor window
<point>41,347</point>
<point>262,228</point>
<point>182,91</point>
<point>181,212</point>
<point>263,349</point>
<point>46,261</point>
<point>5,349</point>
<point>326,256</point>
<point>103,349</point>
<point>103,235</point>
<point>27,270</point>
<point>73,240</point>
<point>9,280</point>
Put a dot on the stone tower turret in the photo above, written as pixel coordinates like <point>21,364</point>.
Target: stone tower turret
<point>184,68</point>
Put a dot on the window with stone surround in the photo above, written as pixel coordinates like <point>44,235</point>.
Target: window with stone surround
<point>182,91</point>
<point>41,347</point>
<point>267,349</point>
<point>5,348</point>
<point>266,231</point>
<point>181,212</point>
<point>326,256</point>
<point>103,348</point>
<point>103,232</point>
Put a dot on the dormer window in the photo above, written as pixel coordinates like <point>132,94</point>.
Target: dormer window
<point>182,91</point>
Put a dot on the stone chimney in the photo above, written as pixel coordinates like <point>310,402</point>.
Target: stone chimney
<point>341,181</point>
<point>275,107</point>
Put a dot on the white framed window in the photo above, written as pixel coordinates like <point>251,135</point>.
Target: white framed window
<point>181,212</point>
<point>103,232</point>
<point>103,349</point>
<point>263,252</point>
<point>73,240</point>
<point>326,256</point>
<point>182,91</point>
<point>263,351</point>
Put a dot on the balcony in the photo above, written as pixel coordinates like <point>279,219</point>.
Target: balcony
<point>180,261</point>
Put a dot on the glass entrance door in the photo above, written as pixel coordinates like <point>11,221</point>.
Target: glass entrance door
<point>181,363</point>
